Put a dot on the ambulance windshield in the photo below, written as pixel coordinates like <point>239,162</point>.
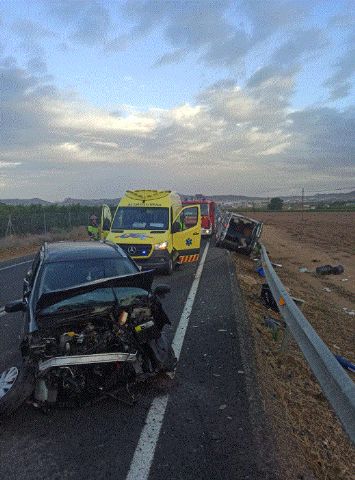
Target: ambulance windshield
<point>141,218</point>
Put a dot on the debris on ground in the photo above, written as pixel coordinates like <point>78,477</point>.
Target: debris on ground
<point>349,312</point>
<point>271,322</point>
<point>304,270</point>
<point>327,289</point>
<point>267,298</point>
<point>330,270</point>
<point>260,271</point>
<point>273,325</point>
<point>345,363</point>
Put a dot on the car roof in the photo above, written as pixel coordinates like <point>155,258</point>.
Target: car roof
<point>66,250</point>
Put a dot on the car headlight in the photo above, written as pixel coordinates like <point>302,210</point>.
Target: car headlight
<point>161,246</point>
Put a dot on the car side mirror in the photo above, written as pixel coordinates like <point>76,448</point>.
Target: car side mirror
<point>161,290</point>
<point>175,228</point>
<point>16,306</point>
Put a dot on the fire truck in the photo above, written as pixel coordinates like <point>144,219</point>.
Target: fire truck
<point>208,215</point>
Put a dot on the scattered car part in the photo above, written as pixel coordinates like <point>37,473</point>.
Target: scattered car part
<point>330,270</point>
<point>267,298</point>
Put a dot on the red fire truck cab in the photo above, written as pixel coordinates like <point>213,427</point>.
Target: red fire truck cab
<point>208,219</point>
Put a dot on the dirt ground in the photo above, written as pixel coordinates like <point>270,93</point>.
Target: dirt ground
<point>310,440</point>
<point>19,246</point>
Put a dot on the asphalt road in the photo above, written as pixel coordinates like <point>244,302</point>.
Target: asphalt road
<point>207,425</point>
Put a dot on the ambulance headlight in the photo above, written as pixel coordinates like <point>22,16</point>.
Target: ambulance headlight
<point>161,246</point>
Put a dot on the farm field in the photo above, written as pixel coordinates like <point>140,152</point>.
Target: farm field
<point>317,239</point>
<point>20,245</point>
<point>310,439</point>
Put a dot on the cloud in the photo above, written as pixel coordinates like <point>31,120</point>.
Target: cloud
<point>117,44</point>
<point>267,18</point>
<point>340,84</point>
<point>222,33</point>
<point>31,35</point>
<point>171,57</point>
<point>9,164</point>
<point>89,21</point>
<point>199,26</point>
<point>37,65</point>
<point>93,25</point>
<point>327,135</point>
<point>30,31</point>
<point>301,44</point>
<point>230,138</point>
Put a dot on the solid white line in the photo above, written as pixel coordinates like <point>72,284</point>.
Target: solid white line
<point>144,453</point>
<point>15,265</point>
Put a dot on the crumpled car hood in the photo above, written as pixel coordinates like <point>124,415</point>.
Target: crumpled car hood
<point>142,280</point>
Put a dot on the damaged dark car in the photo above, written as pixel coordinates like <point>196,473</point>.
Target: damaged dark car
<point>238,233</point>
<point>93,326</point>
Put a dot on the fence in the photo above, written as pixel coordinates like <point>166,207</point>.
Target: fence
<point>336,384</point>
<point>42,222</point>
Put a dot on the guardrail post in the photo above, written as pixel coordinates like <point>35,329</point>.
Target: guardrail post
<point>285,340</point>
<point>287,335</point>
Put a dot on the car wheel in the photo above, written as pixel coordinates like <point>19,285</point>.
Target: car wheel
<point>170,267</point>
<point>16,384</point>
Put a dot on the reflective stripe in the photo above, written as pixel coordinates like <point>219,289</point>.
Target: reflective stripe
<point>189,258</point>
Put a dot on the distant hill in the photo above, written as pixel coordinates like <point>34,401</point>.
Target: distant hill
<point>319,197</point>
<point>24,201</point>
<point>112,202</point>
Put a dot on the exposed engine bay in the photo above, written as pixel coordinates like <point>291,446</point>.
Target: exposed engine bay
<point>81,355</point>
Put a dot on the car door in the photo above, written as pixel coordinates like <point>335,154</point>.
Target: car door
<point>186,230</point>
<point>106,220</point>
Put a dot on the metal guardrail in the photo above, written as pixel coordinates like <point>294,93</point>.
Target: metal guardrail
<point>337,386</point>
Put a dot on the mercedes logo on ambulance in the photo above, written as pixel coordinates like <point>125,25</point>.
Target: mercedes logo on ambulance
<point>131,250</point>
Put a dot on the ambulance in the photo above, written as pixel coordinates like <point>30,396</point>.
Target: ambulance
<point>154,228</point>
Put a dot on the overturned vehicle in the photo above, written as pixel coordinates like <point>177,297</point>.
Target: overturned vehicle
<point>87,341</point>
<point>238,233</point>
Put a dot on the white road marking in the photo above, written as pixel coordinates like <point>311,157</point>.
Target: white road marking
<point>15,265</point>
<point>144,453</point>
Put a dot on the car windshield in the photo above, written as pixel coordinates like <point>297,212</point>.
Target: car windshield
<point>62,275</point>
<point>101,297</point>
<point>141,218</point>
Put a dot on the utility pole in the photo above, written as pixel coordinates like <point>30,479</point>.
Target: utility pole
<point>302,202</point>
<point>44,222</point>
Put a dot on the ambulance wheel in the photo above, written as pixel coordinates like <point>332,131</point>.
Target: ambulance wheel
<point>169,267</point>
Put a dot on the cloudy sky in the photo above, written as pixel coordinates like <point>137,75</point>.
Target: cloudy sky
<point>213,96</point>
